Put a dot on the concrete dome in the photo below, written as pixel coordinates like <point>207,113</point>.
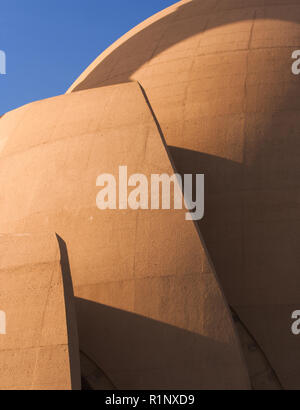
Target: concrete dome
<point>216,95</point>
<point>218,77</point>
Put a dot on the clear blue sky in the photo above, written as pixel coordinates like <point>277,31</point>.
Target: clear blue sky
<point>48,43</point>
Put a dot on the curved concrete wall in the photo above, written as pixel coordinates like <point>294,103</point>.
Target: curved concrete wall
<point>150,311</point>
<point>39,350</point>
<point>218,76</point>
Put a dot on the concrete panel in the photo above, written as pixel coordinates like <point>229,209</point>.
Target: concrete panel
<point>39,350</point>
<point>150,310</point>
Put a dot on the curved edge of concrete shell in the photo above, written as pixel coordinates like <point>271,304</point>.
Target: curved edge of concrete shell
<point>39,342</point>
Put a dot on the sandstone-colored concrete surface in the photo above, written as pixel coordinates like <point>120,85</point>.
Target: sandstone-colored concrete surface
<point>218,77</point>
<point>150,310</point>
<point>39,350</point>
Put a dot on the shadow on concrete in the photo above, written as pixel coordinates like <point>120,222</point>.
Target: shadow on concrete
<point>71,321</point>
<point>251,229</point>
<point>140,353</point>
<point>92,377</point>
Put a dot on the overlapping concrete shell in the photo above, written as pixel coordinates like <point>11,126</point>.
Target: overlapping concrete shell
<point>39,348</point>
<point>218,77</point>
<point>211,92</point>
<point>150,312</point>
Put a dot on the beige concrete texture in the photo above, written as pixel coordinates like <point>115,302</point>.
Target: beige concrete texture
<point>218,77</point>
<point>151,314</point>
<point>40,348</point>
